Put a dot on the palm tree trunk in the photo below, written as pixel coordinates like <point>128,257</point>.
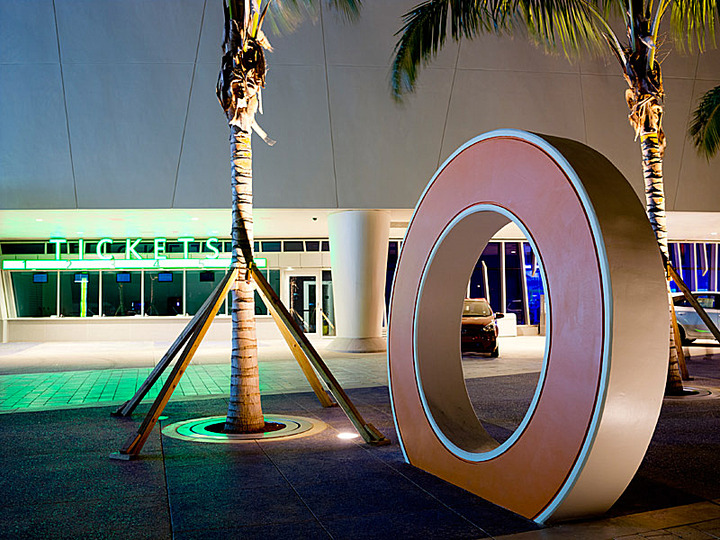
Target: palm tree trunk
<point>244,411</point>
<point>652,159</point>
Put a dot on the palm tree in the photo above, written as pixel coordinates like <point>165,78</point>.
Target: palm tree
<point>705,126</point>
<point>241,79</point>
<point>574,25</point>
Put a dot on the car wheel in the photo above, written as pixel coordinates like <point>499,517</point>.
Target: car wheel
<point>683,339</point>
<point>496,352</point>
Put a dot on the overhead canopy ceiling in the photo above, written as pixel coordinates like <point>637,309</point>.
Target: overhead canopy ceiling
<point>112,105</point>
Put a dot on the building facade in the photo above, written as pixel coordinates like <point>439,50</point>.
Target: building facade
<point>114,162</point>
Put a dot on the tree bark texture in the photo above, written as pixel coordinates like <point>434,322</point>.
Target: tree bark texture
<point>652,145</point>
<point>645,99</point>
<point>244,410</point>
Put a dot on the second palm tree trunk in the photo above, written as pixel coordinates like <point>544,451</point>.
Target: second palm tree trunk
<point>652,159</point>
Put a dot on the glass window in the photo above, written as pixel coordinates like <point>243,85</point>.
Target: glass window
<point>515,297</point>
<point>714,267</point>
<point>312,245</point>
<point>704,257</point>
<point>293,245</point>
<point>120,294</point>
<point>199,286</point>
<point>328,304</point>
<point>325,245</point>
<point>273,278</point>
<point>51,248</point>
<point>477,281</point>
<point>674,250</point>
<point>79,294</point>
<point>271,247</point>
<point>393,253</point>
<point>535,287</point>
<point>476,308</point>
<point>303,302</point>
<point>491,257</point>
<point>23,249</point>
<point>164,293</point>
<point>706,300</point>
<point>35,293</point>
<point>687,267</point>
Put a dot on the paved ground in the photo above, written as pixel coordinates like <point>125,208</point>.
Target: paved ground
<point>40,376</point>
<point>56,434</point>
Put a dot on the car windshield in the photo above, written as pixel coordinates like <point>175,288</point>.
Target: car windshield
<point>476,308</point>
<point>707,301</point>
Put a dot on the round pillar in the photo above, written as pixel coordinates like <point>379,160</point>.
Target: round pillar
<point>358,255</point>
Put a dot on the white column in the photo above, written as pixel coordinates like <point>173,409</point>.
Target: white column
<point>358,256</point>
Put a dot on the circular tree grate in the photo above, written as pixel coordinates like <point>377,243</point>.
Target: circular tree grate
<point>209,429</point>
<point>698,392</point>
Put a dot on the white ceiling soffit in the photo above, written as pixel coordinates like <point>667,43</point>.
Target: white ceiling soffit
<point>171,223</point>
<point>269,223</point>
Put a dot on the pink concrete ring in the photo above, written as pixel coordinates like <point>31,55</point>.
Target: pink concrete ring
<point>601,386</point>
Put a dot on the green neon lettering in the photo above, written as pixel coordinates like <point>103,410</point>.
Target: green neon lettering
<point>210,244</point>
<point>130,249</point>
<point>100,252</point>
<point>159,248</point>
<point>185,241</point>
<point>57,242</point>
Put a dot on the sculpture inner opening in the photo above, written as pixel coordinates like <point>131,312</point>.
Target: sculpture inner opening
<point>473,428</point>
<point>502,332</point>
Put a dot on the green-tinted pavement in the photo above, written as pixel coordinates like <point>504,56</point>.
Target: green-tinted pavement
<point>50,376</point>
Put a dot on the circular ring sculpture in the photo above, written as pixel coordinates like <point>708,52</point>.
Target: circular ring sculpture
<point>601,386</point>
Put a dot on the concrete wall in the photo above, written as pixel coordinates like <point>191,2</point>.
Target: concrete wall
<point>123,329</point>
<point>112,105</point>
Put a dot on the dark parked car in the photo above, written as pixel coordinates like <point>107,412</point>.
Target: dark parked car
<point>479,330</point>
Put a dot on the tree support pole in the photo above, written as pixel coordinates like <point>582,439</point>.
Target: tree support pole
<point>297,352</point>
<point>368,432</point>
<point>684,373</point>
<point>694,303</point>
<point>135,443</point>
<point>192,336</point>
<point>127,408</point>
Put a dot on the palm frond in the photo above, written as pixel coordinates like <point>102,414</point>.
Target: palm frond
<point>425,30</point>
<point>350,9</point>
<point>284,16</point>
<point>693,23</point>
<point>704,128</point>
<point>567,25</point>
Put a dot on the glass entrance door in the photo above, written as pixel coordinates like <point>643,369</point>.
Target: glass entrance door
<point>302,300</point>
<point>308,297</point>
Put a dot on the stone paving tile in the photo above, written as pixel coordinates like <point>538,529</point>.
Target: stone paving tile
<point>689,532</point>
<point>35,391</point>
